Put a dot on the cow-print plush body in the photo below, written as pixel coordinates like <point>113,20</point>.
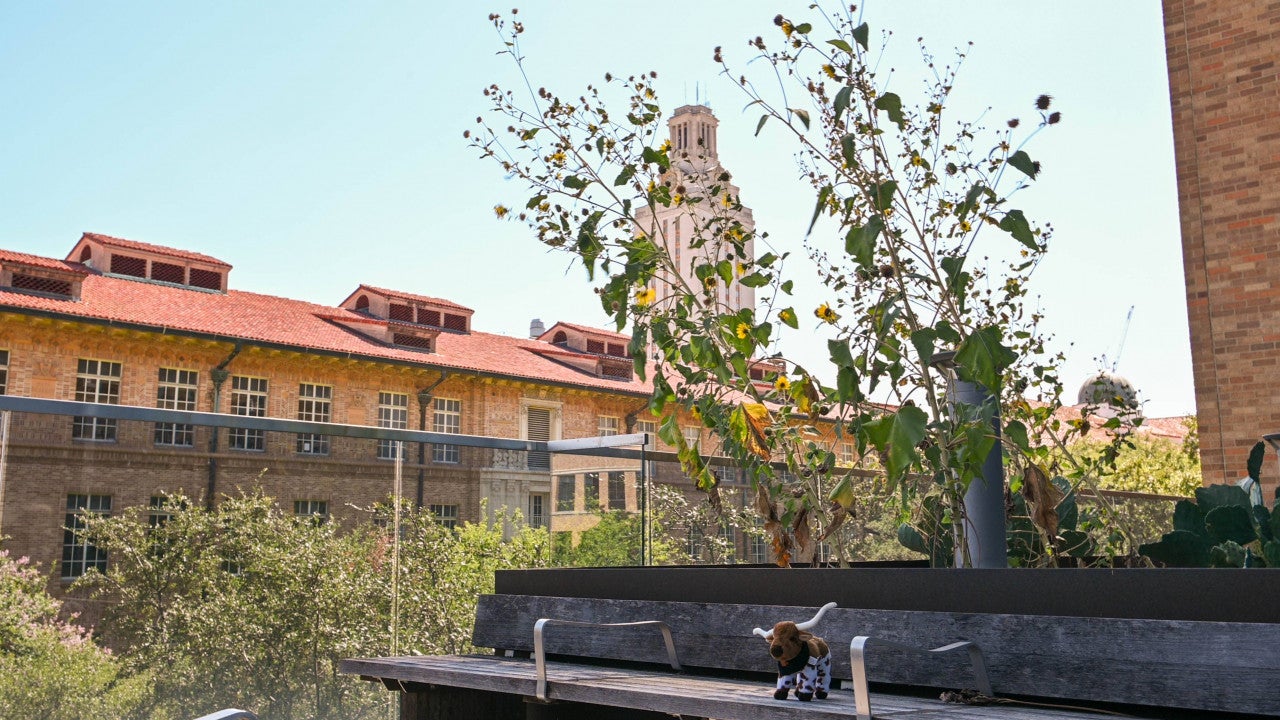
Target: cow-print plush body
<point>808,674</point>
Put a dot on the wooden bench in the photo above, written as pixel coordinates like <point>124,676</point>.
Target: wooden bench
<point>726,672</point>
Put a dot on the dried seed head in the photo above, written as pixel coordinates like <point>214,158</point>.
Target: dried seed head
<point>1055,118</point>
<point>1013,123</point>
<point>1042,102</point>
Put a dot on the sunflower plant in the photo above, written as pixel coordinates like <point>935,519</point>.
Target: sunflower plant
<point>918,247</point>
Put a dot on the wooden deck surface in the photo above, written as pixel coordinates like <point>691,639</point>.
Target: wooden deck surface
<point>669,692</point>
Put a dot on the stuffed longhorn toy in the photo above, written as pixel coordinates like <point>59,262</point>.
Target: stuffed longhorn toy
<point>804,660</point>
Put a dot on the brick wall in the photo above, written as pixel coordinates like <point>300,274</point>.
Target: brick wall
<point>1225,95</point>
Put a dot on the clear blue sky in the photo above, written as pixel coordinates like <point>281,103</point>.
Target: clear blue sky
<point>315,146</point>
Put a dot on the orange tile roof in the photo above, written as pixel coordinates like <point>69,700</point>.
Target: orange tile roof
<point>44,262</point>
<point>410,296</point>
<point>590,331</point>
<point>148,247</point>
<point>254,317</point>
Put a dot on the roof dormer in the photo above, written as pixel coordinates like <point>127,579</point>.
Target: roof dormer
<point>599,352</point>
<point>42,276</point>
<point>408,309</point>
<point>152,263</point>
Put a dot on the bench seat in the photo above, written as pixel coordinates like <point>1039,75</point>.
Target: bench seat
<point>667,692</point>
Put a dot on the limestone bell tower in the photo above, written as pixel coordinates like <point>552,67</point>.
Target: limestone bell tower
<point>693,232</point>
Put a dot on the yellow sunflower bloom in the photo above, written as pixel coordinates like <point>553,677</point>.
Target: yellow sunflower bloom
<point>743,330</point>
<point>782,383</point>
<point>645,297</point>
<point>826,314</point>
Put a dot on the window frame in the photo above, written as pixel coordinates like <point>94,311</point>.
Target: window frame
<point>254,404</point>
<point>392,415</point>
<point>446,417</point>
<point>91,371</point>
<point>446,515</point>
<point>90,556</point>
<point>608,425</point>
<point>569,504</point>
<point>617,486</point>
<point>315,404</point>
<point>176,434</point>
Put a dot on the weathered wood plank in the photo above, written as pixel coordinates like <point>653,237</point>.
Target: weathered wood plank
<point>1190,664</point>
<point>671,693</point>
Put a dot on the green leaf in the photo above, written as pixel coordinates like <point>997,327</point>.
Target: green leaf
<point>652,155</point>
<point>627,173</point>
<point>1189,517</point>
<point>1015,223</point>
<point>860,242</point>
<point>849,150</point>
<point>1216,496</point>
<point>786,286</point>
<point>923,340</point>
<point>842,100</point>
<point>970,200</point>
<point>1256,456</point>
<point>982,357</point>
<point>535,201</point>
<point>847,385</point>
<point>803,115</point>
<point>823,195</point>
<point>528,134</point>
<point>1017,434</point>
<point>724,269</point>
<point>882,194</point>
<point>891,104</point>
<point>841,45</point>
<point>754,280</point>
<point>896,435</point>
<point>575,182</point>
<point>1022,161</point>
<point>804,28</point>
<point>840,354</point>
<point>860,34</point>
<point>1178,549</point>
<point>760,125</point>
<point>1230,523</point>
<point>788,318</point>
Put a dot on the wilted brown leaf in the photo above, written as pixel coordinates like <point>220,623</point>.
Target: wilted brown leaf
<point>800,529</point>
<point>757,417</point>
<point>1042,499</point>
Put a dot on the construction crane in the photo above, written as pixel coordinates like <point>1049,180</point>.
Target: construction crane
<point>1124,333</point>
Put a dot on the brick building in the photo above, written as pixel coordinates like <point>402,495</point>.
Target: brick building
<point>129,323</point>
<point>1225,92</point>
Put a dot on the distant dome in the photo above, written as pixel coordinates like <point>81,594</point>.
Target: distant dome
<point>1107,390</point>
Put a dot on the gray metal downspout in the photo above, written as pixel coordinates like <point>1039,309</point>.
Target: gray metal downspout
<point>219,376</point>
<point>424,397</point>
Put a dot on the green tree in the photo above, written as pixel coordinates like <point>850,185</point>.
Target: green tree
<point>247,606</point>
<point>51,668</point>
<point>918,246</point>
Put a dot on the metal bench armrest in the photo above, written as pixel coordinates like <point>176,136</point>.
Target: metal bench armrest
<point>540,654</point>
<point>858,662</point>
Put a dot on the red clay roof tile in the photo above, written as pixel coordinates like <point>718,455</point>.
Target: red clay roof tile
<point>148,247</point>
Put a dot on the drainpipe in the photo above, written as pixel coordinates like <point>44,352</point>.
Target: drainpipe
<point>219,375</point>
<point>983,543</point>
<point>424,399</point>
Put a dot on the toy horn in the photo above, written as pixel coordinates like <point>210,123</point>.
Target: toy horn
<point>807,624</point>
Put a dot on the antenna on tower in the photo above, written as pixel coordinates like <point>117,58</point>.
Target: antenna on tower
<point>697,97</point>
<point>1124,334</point>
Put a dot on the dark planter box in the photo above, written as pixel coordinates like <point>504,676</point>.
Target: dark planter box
<point>1222,595</point>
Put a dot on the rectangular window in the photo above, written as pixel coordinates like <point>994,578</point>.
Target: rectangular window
<point>591,491</point>
<point>606,426</point>
<point>846,455</point>
<point>248,398</point>
<point>315,403</point>
<point>393,412</point>
<point>537,511</point>
<point>447,419</point>
<point>617,490</point>
<point>78,554</point>
<point>759,549</point>
<point>695,543</point>
<point>160,509</point>
<point>97,381</point>
<point>566,486</point>
<point>692,436</point>
<point>176,390</point>
<point>4,372</point>
<point>318,510</point>
<point>446,515</point>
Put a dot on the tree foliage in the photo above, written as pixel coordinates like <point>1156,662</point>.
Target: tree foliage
<point>49,667</point>
<point>247,606</point>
